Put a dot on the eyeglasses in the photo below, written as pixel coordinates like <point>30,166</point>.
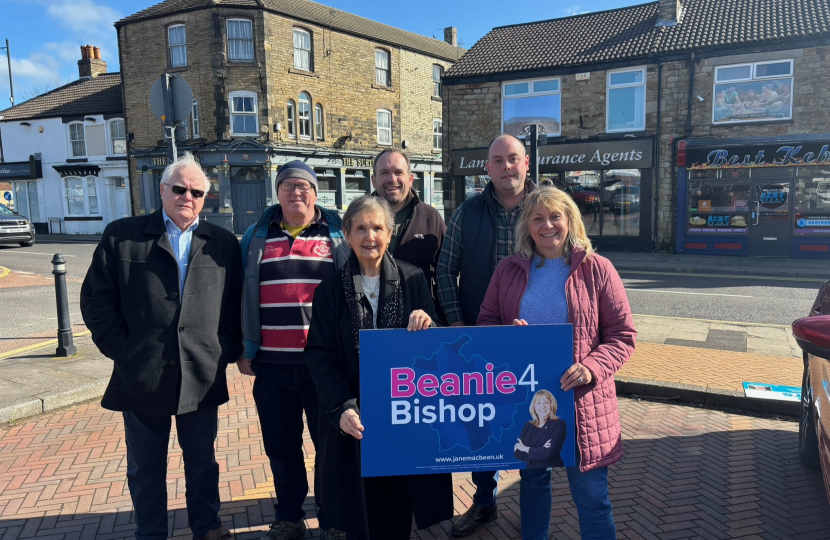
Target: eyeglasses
<point>288,187</point>
<point>181,190</point>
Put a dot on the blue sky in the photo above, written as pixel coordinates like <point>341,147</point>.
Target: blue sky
<point>45,35</point>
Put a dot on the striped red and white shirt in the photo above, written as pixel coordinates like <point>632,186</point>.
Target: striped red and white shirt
<point>289,273</point>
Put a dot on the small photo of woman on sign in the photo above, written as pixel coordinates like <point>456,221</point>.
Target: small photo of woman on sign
<point>540,443</point>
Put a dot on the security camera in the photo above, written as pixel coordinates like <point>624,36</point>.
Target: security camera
<point>700,98</point>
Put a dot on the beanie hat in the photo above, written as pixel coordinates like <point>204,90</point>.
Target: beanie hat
<point>298,169</point>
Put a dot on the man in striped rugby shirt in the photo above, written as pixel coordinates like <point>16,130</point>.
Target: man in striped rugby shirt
<point>285,255</point>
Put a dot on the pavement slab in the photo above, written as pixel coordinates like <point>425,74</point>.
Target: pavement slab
<point>687,472</point>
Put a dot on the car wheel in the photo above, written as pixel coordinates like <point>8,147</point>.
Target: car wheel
<point>807,438</point>
<point>30,243</point>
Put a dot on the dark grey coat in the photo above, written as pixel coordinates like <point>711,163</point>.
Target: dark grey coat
<point>169,350</point>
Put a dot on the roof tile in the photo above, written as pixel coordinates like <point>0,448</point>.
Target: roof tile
<point>100,95</point>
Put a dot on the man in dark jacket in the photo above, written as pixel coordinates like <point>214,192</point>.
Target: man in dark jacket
<point>419,228</point>
<point>162,300</point>
<point>479,235</point>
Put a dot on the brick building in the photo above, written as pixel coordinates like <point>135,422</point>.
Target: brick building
<point>275,81</point>
<point>735,159</point>
<point>65,153</point>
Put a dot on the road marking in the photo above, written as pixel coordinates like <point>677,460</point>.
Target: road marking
<point>695,274</point>
<point>693,293</point>
<point>735,323</point>
<point>40,345</point>
<point>36,253</point>
<point>4,272</point>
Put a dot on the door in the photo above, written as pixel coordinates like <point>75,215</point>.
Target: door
<point>121,210</point>
<point>770,231</point>
<point>247,204</point>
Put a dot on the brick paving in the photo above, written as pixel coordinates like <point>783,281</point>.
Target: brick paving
<point>688,473</point>
<point>705,367</point>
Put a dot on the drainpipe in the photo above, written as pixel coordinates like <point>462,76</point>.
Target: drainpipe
<point>657,150</point>
<point>689,127</point>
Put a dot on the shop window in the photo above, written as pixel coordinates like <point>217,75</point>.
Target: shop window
<point>240,40</point>
<point>530,102</point>
<point>326,179</point>
<point>81,196</point>
<point>290,112</point>
<point>812,202</point>
<point>757,92</point>
<point>302,50</point>
<point>305,116</point>
<point>118,137</point>
<point>247,174</point>
<point>383,72</point>
<point>77,142</point>
<point>176,46</point>
<point>474,185</point>
<point>437,133</point>
<point>194,120</point>
<point>212,195</point>
<point>718,205</point>
<point>626,100</point>
<point>318,122</point>
<point>437,73</point>
<point>26,199</point>
<point>244,114</point>
<point>384,126</point>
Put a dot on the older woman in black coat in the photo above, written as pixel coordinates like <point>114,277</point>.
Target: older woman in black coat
<point>372,290</point>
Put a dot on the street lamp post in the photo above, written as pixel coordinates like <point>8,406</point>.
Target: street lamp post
<point>9,60</point>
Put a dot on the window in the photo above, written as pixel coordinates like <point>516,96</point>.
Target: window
<point>76,139</point>
<point>437,135</point>
<point>289,117</point>
<point>26,199</point>
<point>383,75</point>
<point>118,137</point>
<point>626,100</point>
<point>194,119</point>
<point>244,113</point>
<point>384,126</point>
<point>757,92</point>
<point>318,122</point>
<point>531,102</point>
<point>240,40</point>
<point>176,46</point>
<point>437,73</point>
<point>302,49</point>
<point>81,196</point>
<point>305,116</point>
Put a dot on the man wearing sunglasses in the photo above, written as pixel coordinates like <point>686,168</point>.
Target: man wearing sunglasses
<point>294,246</point>
<point>162,300</point>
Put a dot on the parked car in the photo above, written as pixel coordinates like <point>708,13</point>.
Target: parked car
<point>813,336</point>
<point>625,200</point>
<point>586,200</point>
<point>15,228</point>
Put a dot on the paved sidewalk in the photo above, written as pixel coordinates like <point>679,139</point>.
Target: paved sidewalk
<point>710,264</point>
<point>687,473</point>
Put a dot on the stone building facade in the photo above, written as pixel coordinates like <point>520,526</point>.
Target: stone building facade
<point>272,83</point>
<point>711,96</point>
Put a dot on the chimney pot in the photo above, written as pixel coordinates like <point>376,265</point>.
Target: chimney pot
<point>451,35</point>
<point>97,52</point>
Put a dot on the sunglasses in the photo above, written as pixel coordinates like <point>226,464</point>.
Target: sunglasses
<point>181,190</point>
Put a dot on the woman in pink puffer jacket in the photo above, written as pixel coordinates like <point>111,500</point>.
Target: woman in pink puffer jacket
<point>555,277</point>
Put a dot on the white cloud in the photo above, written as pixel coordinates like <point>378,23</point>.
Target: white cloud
<point>574,10</point>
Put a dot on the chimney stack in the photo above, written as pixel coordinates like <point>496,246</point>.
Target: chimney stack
<point>669,12</point>
<point>90,65</point>
<point>451,35</point>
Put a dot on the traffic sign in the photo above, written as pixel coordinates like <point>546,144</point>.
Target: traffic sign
<point>182,96</point>
<point>7,195</point>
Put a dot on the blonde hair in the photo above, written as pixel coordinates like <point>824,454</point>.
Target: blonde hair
<point>553,406</point>
<point>553,199</point>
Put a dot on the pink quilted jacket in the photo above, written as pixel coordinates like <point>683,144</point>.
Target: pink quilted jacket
<point>604,338</point>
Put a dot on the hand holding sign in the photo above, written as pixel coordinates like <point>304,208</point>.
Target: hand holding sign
<point>350,424</point>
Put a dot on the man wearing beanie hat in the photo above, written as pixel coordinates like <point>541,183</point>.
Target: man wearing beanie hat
<point>285,255</point>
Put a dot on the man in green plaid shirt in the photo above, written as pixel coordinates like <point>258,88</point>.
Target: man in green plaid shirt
<point>479,235</point>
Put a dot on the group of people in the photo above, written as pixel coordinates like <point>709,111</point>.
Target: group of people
<point>173,300</point>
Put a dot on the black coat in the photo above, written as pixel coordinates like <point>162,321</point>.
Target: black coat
<point>334,364</point>
<point>169,350</point>
<point>539,457</point>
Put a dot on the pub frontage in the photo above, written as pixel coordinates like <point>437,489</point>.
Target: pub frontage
<point>754,197</point>
<point>611,182</point>
<point>243,176</point>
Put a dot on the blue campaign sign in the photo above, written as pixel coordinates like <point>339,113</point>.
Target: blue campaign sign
<point>465,398</point>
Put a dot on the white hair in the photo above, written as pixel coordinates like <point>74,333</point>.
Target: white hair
<point>185,160</point>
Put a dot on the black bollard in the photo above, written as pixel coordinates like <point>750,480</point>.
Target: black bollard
<point>65,345</point>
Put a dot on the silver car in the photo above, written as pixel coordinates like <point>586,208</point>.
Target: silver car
<point>15,228</point>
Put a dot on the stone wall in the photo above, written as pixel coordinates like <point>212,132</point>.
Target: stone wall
<point>418,105</point>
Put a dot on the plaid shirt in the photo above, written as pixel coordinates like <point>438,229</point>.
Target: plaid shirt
<point>449,263</point>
